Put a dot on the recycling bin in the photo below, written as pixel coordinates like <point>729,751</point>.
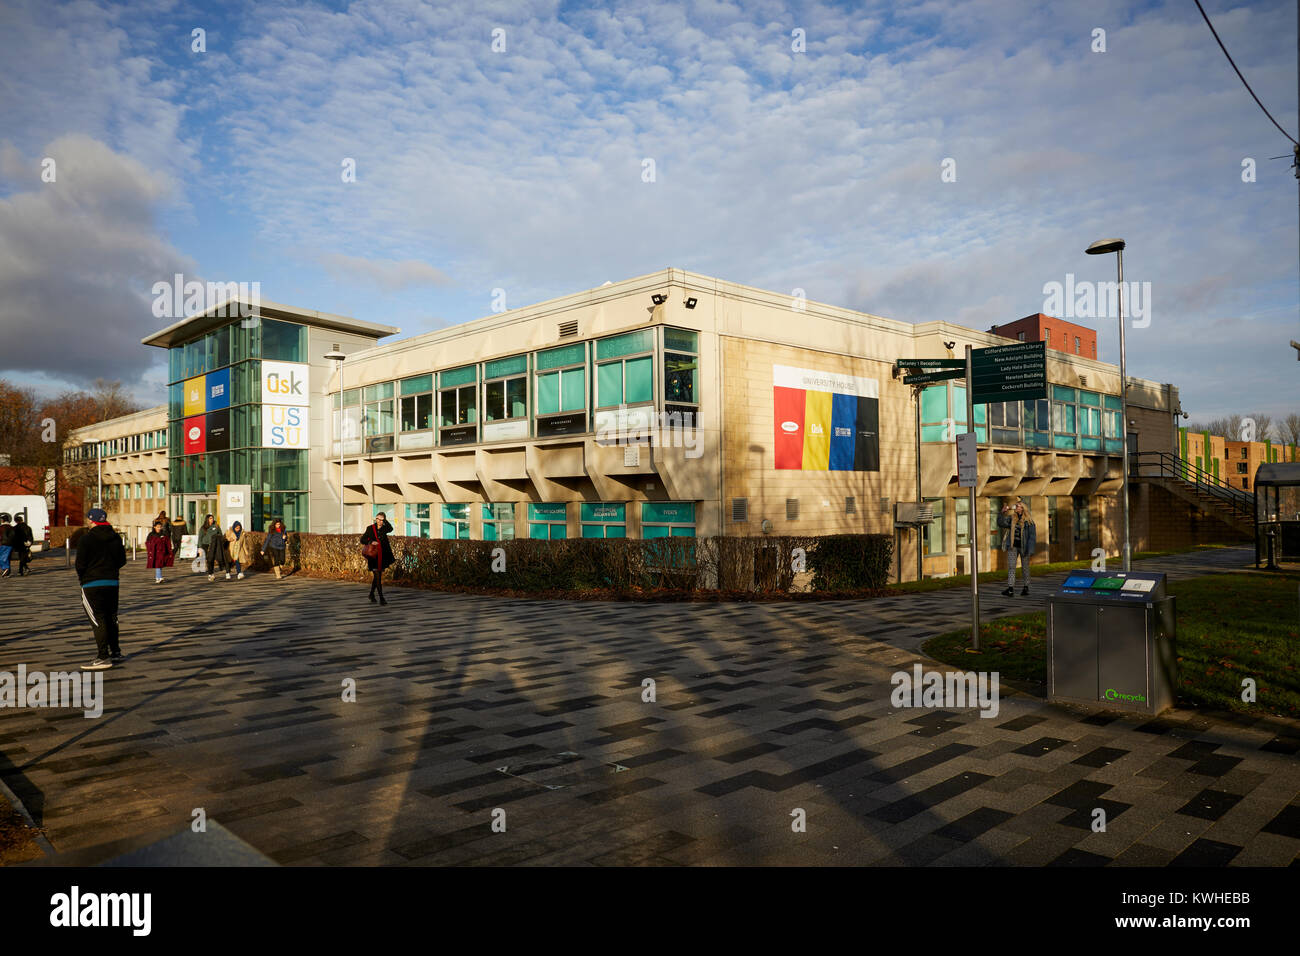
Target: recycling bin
<point>1111,642</point>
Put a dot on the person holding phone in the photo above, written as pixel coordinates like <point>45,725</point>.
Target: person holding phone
<point>378,553</point>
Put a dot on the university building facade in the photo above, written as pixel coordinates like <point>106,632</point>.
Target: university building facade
<point>668,404</point>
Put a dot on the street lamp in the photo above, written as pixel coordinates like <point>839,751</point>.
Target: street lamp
<point>99,461</point>
<point>1098,248</point>
<point>337,356</point>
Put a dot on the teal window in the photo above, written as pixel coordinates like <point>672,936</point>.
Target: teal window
<point>932,533</point>
<point>629,343</point>
<point>1113,402</point>
<point>378,417</point>
<point>458,406</point>
<point>681,340</point>
<point>455,522</point>
<point>498,522</point>
<point>417,520</point>
<point>663,519</point>
<point>465,375</point>
<point>627,381</point>
<point>417,412</point>
<point>961,509</point>
<point>562,380</point>
<point>375,393</point>
<point>505,389</point>
<point>283,341</point>
<point>934,413</point>
<point>1062,394</point>
<point>547,521</point>
<point>1082,519</point>
<point>417,384</point>
<point>603,519</point>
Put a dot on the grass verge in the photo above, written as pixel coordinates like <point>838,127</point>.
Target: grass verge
<point>1000,577</point>
<point>1230,627</point>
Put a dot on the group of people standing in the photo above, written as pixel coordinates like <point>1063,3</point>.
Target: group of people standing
<point>15,542</point>
<point>228,551</point>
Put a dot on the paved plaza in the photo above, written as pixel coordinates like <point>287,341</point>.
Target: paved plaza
<point>232,701</point>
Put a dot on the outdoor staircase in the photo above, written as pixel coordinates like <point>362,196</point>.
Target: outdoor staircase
<point>1188,481</point>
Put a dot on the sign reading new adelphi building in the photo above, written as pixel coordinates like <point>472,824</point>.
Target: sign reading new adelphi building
<point>285,404</point>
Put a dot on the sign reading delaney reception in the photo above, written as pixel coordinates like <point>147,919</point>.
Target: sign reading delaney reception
<point>825,421</point>
<point>1009,373</point>
<point>285,410</point>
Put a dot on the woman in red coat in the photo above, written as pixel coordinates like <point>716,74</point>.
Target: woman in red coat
<point>159,548</point>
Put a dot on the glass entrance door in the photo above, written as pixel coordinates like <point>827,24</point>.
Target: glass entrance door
<point>197,509</point>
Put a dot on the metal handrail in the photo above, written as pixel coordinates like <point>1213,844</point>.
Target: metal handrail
<point>1163,464</point>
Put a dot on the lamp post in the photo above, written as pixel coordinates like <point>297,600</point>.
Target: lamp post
<point>1098,248</point>
<point>337,356</point>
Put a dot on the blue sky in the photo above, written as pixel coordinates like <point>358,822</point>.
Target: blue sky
<point>522,169</point>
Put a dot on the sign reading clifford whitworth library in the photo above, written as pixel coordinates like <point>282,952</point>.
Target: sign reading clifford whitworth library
<point>285,396</point>
<point>825,421</point>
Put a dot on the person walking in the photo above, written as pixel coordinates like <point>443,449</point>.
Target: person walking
<point>241,549</point>
<point>20,539</point>
<point>6,544</point>
<point>378,553</point>
<point>213,543</point>
<point>100,557</point>
<point>178,530</point>
<point>158,547</point>
<point>277,540</point>
<point>1018,540</point>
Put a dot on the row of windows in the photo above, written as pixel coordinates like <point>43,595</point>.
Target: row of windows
<point>491,400</point>
<point>135,491</point>
<point>263,469</point>
<point>934,535</point>
<point>1070,418</point>
<point>252,338</point>
<point>141,441</point>
<point>548,520</point>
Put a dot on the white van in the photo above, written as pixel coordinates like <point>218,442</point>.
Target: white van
<point>34,512</point>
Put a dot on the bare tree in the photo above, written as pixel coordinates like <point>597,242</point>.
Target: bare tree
<point>1289,429</point>
<point>1263,426</point>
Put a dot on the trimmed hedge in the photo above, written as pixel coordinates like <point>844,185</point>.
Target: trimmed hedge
<point>756,565</point>
<point>843,562</point>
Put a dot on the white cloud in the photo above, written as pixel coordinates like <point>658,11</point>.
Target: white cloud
<point>389,276</point>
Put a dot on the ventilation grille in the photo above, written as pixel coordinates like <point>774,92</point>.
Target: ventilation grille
<point>739,509</point>
<point>1083,380</point>
<point>791,509</point>
<point>850,506</point>
<point>884,506</point>
<point>569,328</point>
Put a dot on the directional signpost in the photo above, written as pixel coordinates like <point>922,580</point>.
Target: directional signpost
<point>1009,373</point>
<point>1003,373</point>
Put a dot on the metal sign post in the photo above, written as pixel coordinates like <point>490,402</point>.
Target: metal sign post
<point>970,518</point>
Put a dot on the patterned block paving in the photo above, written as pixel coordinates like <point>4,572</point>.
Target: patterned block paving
<point>471,711</point>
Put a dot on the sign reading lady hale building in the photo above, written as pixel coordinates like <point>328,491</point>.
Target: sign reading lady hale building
<point>285,391</point>
<point>825,421</point>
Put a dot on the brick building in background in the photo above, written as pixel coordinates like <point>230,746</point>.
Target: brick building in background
<point>1056,333</point>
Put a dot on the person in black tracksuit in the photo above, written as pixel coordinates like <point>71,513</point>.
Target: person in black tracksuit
<point>378,532</point>
<point>100,557</point>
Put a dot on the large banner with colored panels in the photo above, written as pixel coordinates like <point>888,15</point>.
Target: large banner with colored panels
<point>825,421</point>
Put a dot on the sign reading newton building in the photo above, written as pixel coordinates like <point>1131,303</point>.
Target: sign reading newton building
<point>285,396</point>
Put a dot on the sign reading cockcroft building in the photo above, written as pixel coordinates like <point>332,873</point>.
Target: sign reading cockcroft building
<point>285,391</point>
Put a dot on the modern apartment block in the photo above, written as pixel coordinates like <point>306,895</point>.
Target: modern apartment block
<point>1055,333</point>
<point>667,404</point>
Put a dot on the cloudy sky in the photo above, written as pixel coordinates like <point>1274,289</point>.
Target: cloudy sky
<point>523,168</point>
